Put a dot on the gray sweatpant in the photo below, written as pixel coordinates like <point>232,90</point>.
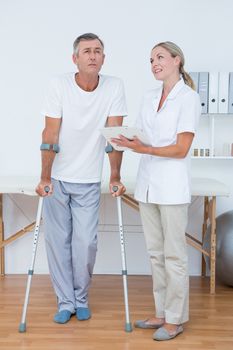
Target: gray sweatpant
<point>71,221</point>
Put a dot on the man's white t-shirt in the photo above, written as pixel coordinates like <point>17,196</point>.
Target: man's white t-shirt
<point>83,114</point>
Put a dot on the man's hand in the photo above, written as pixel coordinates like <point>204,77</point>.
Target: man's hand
<point>41,188</point>
<point>121,188</point>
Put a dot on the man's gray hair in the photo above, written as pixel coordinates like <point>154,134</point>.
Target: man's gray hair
<point>86,36</point>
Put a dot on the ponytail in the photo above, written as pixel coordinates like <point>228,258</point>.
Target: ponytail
<point>187,79</point>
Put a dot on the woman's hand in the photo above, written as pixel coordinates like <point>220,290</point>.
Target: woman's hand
<point>135,144</point>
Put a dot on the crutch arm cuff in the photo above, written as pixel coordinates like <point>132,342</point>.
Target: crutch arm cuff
<point>50,147</point>
<point>108,148</point>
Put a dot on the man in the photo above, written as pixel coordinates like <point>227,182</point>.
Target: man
<point>77,106</point>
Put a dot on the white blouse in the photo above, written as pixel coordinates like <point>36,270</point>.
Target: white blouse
<point>165,180</point>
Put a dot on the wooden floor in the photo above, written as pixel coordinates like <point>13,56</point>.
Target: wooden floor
<point>210,326</point>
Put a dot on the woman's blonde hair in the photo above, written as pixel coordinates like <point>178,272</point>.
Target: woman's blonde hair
<point>176,51</point>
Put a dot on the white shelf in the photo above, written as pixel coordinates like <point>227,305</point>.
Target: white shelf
<point>217,114</point>
<point>217,157</point>
<point>214,136</point>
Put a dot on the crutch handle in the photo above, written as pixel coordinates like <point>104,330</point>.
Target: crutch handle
<point>115,188</point>
<point>47,189</point>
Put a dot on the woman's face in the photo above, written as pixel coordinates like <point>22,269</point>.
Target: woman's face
<point>163,65</point>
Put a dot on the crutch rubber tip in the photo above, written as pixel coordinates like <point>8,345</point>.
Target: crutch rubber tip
<point>128,327</point>
<point>22,327</point>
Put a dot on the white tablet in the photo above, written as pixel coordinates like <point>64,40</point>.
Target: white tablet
<point>128,132</point>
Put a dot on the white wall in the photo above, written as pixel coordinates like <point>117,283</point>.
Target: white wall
<point>36,42</point>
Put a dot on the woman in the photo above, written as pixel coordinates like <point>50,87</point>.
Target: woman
<point>169,116</point>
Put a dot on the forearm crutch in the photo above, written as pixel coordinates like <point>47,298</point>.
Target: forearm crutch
<point>22,325</point>
<point>128,325</point>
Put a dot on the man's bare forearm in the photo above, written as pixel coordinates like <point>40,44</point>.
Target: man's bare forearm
<point>47,158</point>
<point>115,159</point>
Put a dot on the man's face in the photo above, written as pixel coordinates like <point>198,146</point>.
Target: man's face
<point>90,57</point>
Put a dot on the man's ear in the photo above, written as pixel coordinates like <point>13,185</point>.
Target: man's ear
<point>103,58</point>
<point>74,59</point>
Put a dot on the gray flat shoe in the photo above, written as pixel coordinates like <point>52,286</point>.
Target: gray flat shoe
<point>145,325</point>
<point>163,334</point>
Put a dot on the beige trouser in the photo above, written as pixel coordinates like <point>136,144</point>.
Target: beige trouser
<point>164,229</point>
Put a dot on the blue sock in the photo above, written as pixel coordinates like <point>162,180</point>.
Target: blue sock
<point>83,313</point>
<point>62,316</point>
